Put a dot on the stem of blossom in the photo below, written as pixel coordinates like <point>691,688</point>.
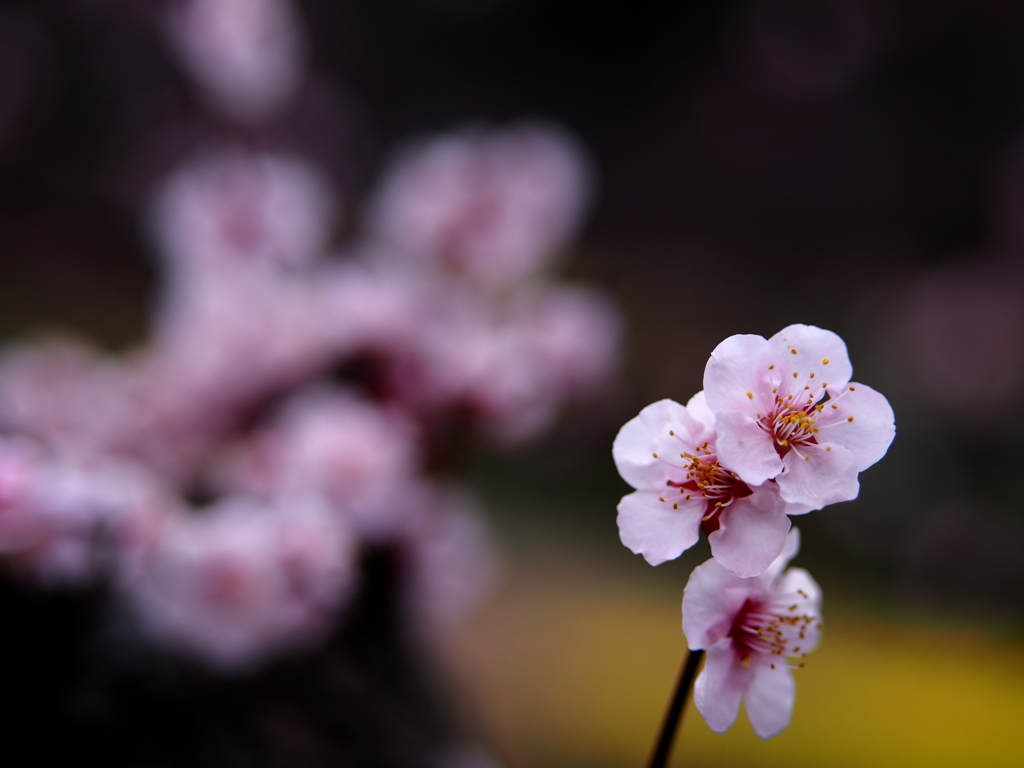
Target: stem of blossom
<point>674,714</point>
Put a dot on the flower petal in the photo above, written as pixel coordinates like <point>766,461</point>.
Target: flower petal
<point>747,449</point>
<point>643,436</point>
<point>751,534</point>
<point>818,475</point>
<point>806,350</point>
<point>720,686</point>
<point>769,698</point>
<point>737,366</point>
<point>788,553</point>
<point>712,598</point>
<point>654,529</point>
<point>697,409</point>
<point>863,423</point>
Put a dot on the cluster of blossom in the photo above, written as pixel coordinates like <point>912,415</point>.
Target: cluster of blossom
<point>778,430</point>
<point>303,391</point>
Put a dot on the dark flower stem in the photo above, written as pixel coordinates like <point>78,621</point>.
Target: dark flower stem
<point>674,714</point>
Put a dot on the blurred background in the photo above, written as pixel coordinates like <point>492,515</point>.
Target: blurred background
<point>853,164</point>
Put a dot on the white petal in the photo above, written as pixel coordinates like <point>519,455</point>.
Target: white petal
<point>863,423</point>
<point>813,347</point>
<point>721,686</point>
<point>750,534</point>
<point>698,410</point>
<point>712,598</point>
<point>645,435</point>
<point>788,553</point>
<point>818,475</point>
<point>747,449</point>
<point>654,529</point>
<point>769,699</point>
<point>737,366</point>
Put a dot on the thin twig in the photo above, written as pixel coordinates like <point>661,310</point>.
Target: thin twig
<point>674,715</point>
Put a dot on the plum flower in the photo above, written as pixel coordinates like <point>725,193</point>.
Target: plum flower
<point>785,410</point>
<point>247,55</point>
<point>754,631</point>
<point>669,454</point>
<point>245,579</point>
<point>493,207</point>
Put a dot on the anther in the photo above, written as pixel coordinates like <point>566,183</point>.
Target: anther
<point>824,361</point>
<point>795,374</point>
<point>849,418</point>
<point>750,395</point>
<point>793,351</point>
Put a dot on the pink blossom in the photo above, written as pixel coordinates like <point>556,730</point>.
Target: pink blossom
<point>668,453</point>
<point>60,520</point>
<point>66,395</point>
<point>446,557</point>
<point>785,410</point>
<point>371,306</point>
<point>224,348</point>
<point>244,580</point>
<point>492,207</point>
<point>508,364</point>
<point>234,210</point>
<point>247,54</point>
<point>553,345</point>
<point>752,630</point>
<point>361,456</point>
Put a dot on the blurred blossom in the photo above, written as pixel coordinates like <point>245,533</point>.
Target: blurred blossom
<point>563,343</point>
<point>960,331</point>
<point>243,580</point>
<point>61,522</point>
<point>509,365</point>
<point>274,326</point>
<point>310,402</point>
<point>247,55</point>
<point>447,558</point>
<point>230,211</point>
<point>65,394</point>
<point>333,442</point>
<point>369,305</point>
<point>493,207</point>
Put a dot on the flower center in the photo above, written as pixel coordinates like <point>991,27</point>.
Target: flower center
<point>706,477</point>
<point>774,627</point>
<point>791,424</point>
